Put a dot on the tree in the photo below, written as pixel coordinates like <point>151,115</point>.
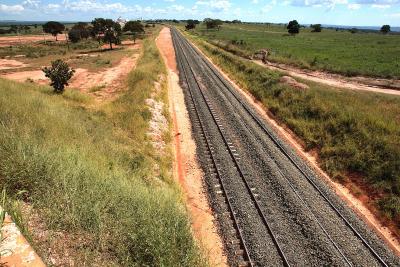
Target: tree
<point>385,29</point>
<point>59,73</point>
<point>191,24</point>
<point>53,27</point>
<point>212,23</point>
<point>293,27</point>
<point>107,30</point>
<point>74,35</point>
<point>135,27</point>
<point>81,28</point>
<point>316,27</point>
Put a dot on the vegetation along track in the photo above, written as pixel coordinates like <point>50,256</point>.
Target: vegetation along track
<point>273,209</point>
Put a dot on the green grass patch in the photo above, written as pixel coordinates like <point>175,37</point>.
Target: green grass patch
<point>91,172</point>
<point>370,54</point>
<point>354,132</point>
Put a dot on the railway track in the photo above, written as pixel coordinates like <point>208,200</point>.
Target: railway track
<point>197,73</point>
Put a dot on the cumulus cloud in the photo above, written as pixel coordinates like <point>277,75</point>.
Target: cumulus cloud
<point>11,8</point>
<point>214,6</point>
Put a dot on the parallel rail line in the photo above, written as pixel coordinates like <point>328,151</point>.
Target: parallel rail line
<point>293,161</point>
<point>234,158</point>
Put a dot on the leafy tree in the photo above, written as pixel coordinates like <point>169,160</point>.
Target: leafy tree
<point>191,24</point>
<point>293,27</point>
<point>316,27</point>
<point>74,35</point>
<point>385,29</point>
<point>59,73</point>
<point>212,23</point>
<point>107,30</point>
<point>135,27</point>
<point>53,27</point>
<point>81,28</point>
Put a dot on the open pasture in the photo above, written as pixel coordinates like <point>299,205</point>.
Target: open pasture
<point>361,53</point>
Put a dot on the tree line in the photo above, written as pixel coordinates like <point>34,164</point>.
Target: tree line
<point>103,30</point>
<point>293,26</point>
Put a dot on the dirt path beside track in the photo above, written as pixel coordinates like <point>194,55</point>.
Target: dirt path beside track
<point>384,86</point>
<point>186,168</point>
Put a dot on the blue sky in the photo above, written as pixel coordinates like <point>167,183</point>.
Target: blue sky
<point>343,12</point>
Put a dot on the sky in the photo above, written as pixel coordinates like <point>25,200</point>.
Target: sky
<point>337,12</point>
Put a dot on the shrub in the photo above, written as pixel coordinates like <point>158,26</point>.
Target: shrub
<point>59,73</point>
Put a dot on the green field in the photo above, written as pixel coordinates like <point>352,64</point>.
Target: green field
<point>356,134</point>
<point>370,54</point>
<point>92,176</point>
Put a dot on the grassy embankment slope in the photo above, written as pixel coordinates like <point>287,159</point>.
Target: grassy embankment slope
<point>90,173</point>
<point>370,54</point>
<point>356,134</point>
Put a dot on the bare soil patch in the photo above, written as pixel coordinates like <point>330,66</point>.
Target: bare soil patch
<point>384,86</point>
<point>186,168</point>
<point>6,64</point>
<point>356,197</point>
<point>24,39</point>
<point>103,84</point>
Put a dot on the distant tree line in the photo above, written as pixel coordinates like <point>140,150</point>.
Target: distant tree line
<point>103,30</point>
<point>16,29</point>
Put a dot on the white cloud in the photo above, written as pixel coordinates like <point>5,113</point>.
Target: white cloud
<point>11,9</point>
<point>354,6</point>
<point>215,6</point>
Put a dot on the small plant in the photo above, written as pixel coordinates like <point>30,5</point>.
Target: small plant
<point>59,73</point>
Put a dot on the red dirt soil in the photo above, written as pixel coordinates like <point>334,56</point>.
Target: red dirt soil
<point>186,167</point>
<point>109,81</point>
<point>24,39</point>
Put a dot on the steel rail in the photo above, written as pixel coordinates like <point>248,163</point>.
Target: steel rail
<point>304,203</point>
<point>238,166</point>
<point>291,159</point>
<point>218,172</point>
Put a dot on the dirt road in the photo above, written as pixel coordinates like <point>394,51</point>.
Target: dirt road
<point>337,80</point>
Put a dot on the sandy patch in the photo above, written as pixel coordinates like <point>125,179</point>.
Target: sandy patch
<point>354,202</point>
<point>24,39</point>
<point>6,64</point>
<point>186,168</point>
<point>23,76</point>
<point>107,82</point>
<point>335,80</point>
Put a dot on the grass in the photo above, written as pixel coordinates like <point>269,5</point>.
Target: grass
<point>354,133</point>
<point>370,54</point>
<point>90,172</point>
